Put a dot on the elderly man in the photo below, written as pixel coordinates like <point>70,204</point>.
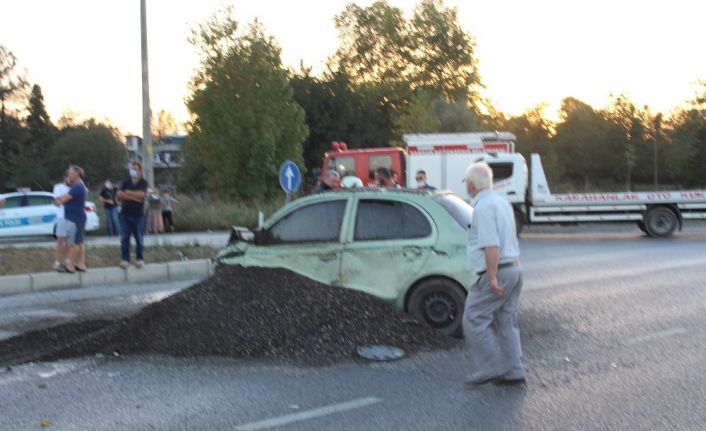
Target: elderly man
<point>331,182</point>
<point>490,317</point>
<point>74,203</point>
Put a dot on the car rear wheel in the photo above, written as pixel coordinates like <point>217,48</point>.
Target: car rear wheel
<point>439,303</point>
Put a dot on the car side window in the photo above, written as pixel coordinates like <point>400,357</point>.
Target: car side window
<point>501,171</point>
<point>320,222</point>
<point>13,202</point>
<point>37,200</point>
<point>382,220</point>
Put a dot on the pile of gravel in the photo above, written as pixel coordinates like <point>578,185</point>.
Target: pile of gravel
<point>258,313</point>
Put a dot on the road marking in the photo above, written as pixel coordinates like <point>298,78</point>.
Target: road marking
<point>308,414</point>
<point>662,334</point>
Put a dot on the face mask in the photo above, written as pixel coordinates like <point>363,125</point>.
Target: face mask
<point>133,173</point>
<point>108,185</point>
<point>420,184</point>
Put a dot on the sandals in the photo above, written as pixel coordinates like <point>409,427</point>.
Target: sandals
<point>79,269</point>
<point>65,270</point>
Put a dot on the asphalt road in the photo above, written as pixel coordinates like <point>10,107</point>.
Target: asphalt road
<point>614,333</point>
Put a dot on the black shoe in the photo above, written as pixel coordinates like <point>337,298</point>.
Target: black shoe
<point>511,382</point>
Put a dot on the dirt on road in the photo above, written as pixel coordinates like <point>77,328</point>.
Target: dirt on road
<point>240,313</point>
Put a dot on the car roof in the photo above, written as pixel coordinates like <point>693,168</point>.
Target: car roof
<point>14,194</point>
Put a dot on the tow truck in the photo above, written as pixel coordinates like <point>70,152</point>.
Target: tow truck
<point>445,157</point>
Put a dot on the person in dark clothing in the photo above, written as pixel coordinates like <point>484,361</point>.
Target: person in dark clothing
<point>332,181</point>
<point>168,202</point>
<point>110,206</point>
<point>422,184</point>
<point>384,179</point>
<point>131,195</point>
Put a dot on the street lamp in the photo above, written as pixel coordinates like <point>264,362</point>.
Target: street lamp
<point>147,170</point>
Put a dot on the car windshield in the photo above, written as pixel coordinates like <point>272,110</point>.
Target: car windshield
<point>457,208</point>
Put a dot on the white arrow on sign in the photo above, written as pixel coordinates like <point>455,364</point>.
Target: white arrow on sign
<point>289,174</point>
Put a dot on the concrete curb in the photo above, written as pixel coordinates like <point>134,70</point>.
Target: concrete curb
<point>156,272</point>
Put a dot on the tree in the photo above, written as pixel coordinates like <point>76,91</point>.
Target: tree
<point>587,142</point>
<point>336,112</point>
<point>95,147</point>
<point>685,157</point>
<point>427,57</point>
<point>534,135</point>
<point>245,122</point>
<point>31,160</point>
<point>443,54</point>
<point>429,113</point>
<point>12,92</point>
<point>163,126</point>
<point>633,124</point>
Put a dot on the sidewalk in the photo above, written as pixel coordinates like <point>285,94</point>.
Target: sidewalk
<point>216,239</point>
<point>157,272</point>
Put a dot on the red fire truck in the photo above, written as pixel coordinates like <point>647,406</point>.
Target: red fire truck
<point>443,156</point>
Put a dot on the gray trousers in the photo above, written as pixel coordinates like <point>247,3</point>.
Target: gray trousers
<point>490,326</point>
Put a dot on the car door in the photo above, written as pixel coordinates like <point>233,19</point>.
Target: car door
<point>40,212</point>
<point>11,220</point>
<point>388,247</point>
<point>306,240</point>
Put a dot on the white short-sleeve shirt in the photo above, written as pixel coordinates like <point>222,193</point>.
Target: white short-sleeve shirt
<point>492,225</point>
<point>60,189</point>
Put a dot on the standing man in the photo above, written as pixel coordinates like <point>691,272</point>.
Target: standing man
<point>422,184</point>
<point>490,316</point>
<point>110,207</point>
<point>60,190</point>
<point>74,203</point>
<point>132,215</point>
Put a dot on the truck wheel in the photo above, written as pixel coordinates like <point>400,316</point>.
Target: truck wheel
<point>519,221</point>
<point>641,226</point>
<point>439,303</point>
<point>660,222</point>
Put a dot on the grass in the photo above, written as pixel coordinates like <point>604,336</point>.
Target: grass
<point>200,213</point>
<point>30,260</point>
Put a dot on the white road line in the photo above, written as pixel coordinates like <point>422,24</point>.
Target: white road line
<point>308,414</point>
<point>662,334</point>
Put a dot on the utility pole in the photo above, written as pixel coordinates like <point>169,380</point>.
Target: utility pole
<point>147,170</point>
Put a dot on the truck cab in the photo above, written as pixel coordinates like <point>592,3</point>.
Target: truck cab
<point>363,163</point>
<point>510,175</point>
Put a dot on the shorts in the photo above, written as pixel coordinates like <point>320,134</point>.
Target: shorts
<point>60,228</point>
<point>75,232</point>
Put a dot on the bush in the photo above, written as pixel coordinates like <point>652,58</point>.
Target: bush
<point>197,213</point>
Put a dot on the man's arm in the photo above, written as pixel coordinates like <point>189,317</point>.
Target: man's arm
<point>131,195</point>
<point>61,200</point>
<point>492,258</point>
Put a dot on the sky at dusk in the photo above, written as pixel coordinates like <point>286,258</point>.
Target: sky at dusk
<point>86,53</point>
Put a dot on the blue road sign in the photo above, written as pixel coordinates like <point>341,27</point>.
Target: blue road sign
<point>290,178</point>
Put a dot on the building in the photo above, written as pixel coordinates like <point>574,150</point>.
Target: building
<point>167,156</point>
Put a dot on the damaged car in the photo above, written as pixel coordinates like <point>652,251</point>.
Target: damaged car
<point>407,248</point>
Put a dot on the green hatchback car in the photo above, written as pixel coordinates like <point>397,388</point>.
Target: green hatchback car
<point>405,247</point>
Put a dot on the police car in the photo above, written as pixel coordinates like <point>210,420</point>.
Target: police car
<point>34,214</point>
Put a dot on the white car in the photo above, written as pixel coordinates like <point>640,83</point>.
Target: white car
<point>34,214</point>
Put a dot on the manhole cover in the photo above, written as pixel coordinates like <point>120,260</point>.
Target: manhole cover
<point>379,352</point>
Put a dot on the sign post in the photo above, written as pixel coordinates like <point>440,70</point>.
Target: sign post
<point>290,178</point>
